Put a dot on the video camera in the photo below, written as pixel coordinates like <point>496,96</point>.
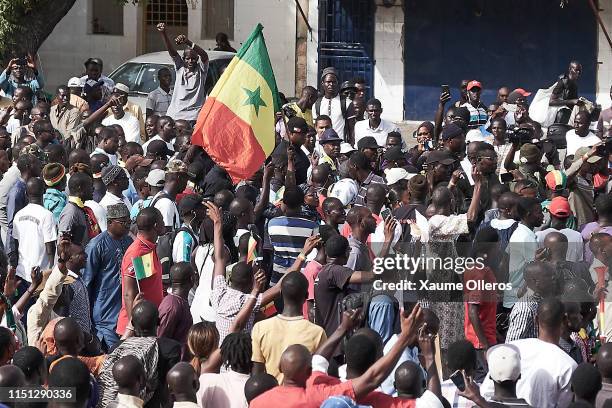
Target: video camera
<point>520,134</point>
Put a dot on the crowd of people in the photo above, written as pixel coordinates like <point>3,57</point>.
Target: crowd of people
<point>135,272</point>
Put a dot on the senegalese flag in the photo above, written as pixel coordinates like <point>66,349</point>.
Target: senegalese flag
<point>236,124</point>
<point>143,266</point>
<point>252,249</point>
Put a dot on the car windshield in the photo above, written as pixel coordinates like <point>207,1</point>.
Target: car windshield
<point>141,78</point>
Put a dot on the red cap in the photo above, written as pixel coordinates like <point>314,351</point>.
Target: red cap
<point>522,92</point>
<point>559,207</point>
<point>473,84</point>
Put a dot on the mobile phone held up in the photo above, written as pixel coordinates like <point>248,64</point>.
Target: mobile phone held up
<point>386,213</point>
<point>445,89</point>
<point>458,380</point>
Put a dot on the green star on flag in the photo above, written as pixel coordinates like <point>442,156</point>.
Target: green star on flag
<point>254,98</point>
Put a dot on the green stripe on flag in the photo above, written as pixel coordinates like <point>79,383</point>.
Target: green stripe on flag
<point>142,266</point>
<point>255,53</point>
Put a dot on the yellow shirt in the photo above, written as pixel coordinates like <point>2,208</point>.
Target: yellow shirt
<point>307,116</point>
<point>271,337</point>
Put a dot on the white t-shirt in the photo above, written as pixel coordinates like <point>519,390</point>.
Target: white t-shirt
<point>335,113</point>
<point>574,242</point>
<point>363,129</point>
<point>201,307</point>
<point>574,142</point>
<point>111,199</point>
<point>521,250</point>
<point>129,123</point>
<point>169,212</point>
<point>33,226</point>
<point>546,371</point>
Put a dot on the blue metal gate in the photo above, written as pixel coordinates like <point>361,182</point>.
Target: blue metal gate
<point>515,43</point>
<point>346,38</point>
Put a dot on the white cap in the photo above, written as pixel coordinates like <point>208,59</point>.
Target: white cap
<point>122,88</point>
<point>346,148</point>
<point>74,82</point>
<point>396,174</point>
<point>156,178</point>
<point>345,190</point>
<point>504,362</point>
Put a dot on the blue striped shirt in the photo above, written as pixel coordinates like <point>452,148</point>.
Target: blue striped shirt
<point>288,236</point>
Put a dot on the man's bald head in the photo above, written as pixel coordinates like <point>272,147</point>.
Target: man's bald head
<point>296,365</point>
<point>11,376</point>
<point>68,336</point>
<point>556,242</point>
<point>182,382</point>
<point>240,206</point>
<point>409,379</point>
<point>35,188</point>
<point>320,174</point>
<point>129,373</point>
<point>144,317</point>
<point>441,197</point>
<point>78,156</point>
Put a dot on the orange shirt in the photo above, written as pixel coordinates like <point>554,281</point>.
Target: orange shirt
<point>150,287</point>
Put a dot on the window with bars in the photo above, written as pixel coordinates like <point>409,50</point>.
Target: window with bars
<point>171,12</point>
<point>217,17</point>
<point>107,17</point>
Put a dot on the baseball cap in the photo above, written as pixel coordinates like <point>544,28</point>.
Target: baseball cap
<point>396,174</point>
<point>176,166</point>
<point>74,82</point>
<point>345,190</point>
<point>53,173</point>
<point>137,160</point>
<point>329,135</point>
<point>297,125</point>
<point>158,148</point>
<point>474,84</point>
<point>347,148</point>
<point>121,88</point>
<point>440,156</point>
<point>156,178</point>
<point>348,85</point>
<point>584,150</point>
<point>189,203</point>
<point>504,362</point>
<point>556,180</point>
<point>367,142</point>
<point>341,401</point>
<point>559,207</point>
<point>517,94</point>
<point>451,131</point>
<point>394,153</point>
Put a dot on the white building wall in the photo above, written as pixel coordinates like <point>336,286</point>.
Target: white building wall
<point>604,68</point>
<point>69,45</point>
<point>312,51</point>
<point>63,53</point>
<point>389,67</point>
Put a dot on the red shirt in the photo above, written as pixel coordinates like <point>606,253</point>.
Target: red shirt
<point>380,400</point>
<point>318,389</point>
<point>150,287</point>
<point>486,298</point>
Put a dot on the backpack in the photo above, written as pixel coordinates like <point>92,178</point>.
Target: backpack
<point>165,243</point>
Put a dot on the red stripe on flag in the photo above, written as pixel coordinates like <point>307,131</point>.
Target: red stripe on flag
<point>228,140</point>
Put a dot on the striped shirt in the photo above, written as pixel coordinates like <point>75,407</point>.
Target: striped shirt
<point>478,116</point>
<point>523,319</point>
<point>288,236</point>
<point>363,188</point>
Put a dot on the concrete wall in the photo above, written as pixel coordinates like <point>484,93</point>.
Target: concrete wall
<point>604,72</point>
<point>389,67</point>
<point>70,44</point>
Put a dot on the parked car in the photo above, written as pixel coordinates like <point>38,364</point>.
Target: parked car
<point>140,73</point>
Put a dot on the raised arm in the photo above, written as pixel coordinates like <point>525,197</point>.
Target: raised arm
<point>215,215</point>
<point>264,197</point>
<point>100,114</point>
<point>349,320</point>
<point>439,116</point>
<point>161,27</point>
<point>472,212</point>
<point>182,39</point>
<point>372,378</point>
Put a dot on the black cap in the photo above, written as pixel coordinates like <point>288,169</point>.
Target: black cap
<point>394,153</point>
<point>440,156</point>
<point>158,148</point>
<point>348,85</point>
<point>189,203</point>
<point>367,142</point>
<point>451,131</point>
<point>297,125</point>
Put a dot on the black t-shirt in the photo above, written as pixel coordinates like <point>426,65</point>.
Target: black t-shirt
<point>301,161</point>
<point>331,286</point>
<point>566,88</point>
